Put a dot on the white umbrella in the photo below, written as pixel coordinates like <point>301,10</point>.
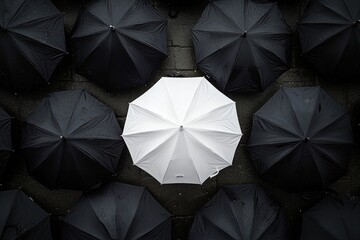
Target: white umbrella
<point>182,130</point>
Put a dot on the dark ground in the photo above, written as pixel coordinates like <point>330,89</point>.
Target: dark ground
<point>183,200</point>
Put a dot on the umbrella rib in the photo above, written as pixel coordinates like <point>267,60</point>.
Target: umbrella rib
<point>94,119</point>
<point>151,131</point>
<point>168,163</point>
<point>216,226</point>
<point>88,54</point>
<point>43,129</point>
<point>263,17</point>
<point>194,162</point>
<point>35,225</point>
<point>325,40</point>
<point>82,231</point>
<point>51,110</point>
<point>154,227</point>
<point>271,53</point>
<point>271,144</point>
<point>127,12</point>
<point>298,125</point>
<point>90,157</point>
<point>336,13</point>
<point>256,64</point>
<point>328,157</point>
<point>154,114</point>
<point>11,209</point>
<point>212,110</point>
<point>316,222</point>
<point>220,49</point>
<point>97,218</point>
<point>132,220</point>
<point>211,150</point>
<point>96,17</point>
<point>30,61</point>
<point>17,11</point>
<point>213,131</point>
<point>16,33</point>
<point>163,142</point>
<point>193,99</point>
<point>211,31</point>
<point>226,16</point>
<point>342,54</point>
<point>330,123</point>
<point>276,125</point>
<point>75,105</point>
<point>123,33</point>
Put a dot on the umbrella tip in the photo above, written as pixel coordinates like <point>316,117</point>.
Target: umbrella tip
<point>306,139</point>
<point>112,27</point>
<point>181,128</point>
<point>245,33</point>
<point>356,23</point>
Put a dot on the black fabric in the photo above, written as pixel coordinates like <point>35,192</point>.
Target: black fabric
<point>71,140</point>
<point>5,141</point>
<point>330,37</point>
<point>332,219</point>
<point>32,42</point>
<point>21,218</point>
<point>242,44</point>
<point>117,211</point>
<point>301,139</point>
<point>243,212</point>
<point>118,44</point>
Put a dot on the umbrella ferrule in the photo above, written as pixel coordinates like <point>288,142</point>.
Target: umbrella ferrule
<point>181,128</point>
<point>356,23</point>
<point>112,27</point>
<point>245,33</point>
<point>306,139</point>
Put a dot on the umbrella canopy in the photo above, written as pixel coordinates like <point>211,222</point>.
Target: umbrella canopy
<point>5,140</point>
<point>71,140</point>
<point>182,130</point>
<point>118,44</point>
<point>332,219</point>
<point>329,33</point>
<point>301,139</point>
<point>117,212</point>
<point>242,44</point>
<point>22,218</point>
<point>243,212</point>
<point>32,42</point>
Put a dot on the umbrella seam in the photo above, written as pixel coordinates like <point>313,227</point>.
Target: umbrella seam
<point>211,150</point>
<point>15,32</point>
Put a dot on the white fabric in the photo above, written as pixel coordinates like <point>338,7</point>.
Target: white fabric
<point>182,130</point>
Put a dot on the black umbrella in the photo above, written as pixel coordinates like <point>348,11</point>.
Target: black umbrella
<point>242,44</point>
<point>332,219</point>
<point>301,139</point>
<point>22,218</point>
<point>5,140</point>
<point>32,42</point>
<point>330,37</point>
<point>71,140</point>
<point>118,44</point>
<point>240,212</point>
<point>117,211</point>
